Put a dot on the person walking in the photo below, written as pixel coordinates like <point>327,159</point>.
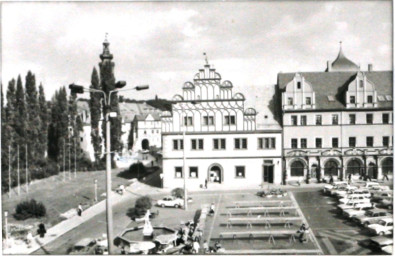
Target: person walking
<point>349,178</point>
<point>41,230</point>
<point>205,183</point>
<point>385,176</point>
<point>196,246</point>
<point>212,210</point>
<point>79,210</point>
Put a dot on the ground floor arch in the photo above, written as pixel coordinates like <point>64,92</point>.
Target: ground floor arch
<point>372,170</point>
<point>387,165</point>
<point>355,167</point>
<point>145,144</point>
<point>332,168</point>
<point>297,168</point>
<point>215,173</point>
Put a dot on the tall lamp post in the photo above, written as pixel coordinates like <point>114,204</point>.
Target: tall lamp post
<point>78,89</point>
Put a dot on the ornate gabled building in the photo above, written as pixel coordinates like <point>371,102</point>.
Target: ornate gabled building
<point>337,122</point>
<point>222,144</point>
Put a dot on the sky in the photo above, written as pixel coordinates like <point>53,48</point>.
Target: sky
<point>162,43</point>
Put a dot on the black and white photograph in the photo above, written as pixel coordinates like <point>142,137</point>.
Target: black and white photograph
<point>197,127</point>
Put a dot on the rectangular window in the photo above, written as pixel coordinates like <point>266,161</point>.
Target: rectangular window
<point>370,99</point>
<point>352,99</point>
<point>386,141</point>
<point>294,120</point>
<point>205,120</point>
<point>240,172</point>
<point>369,118</point>
<point>188,121</point>
<point>178,144</point>
<point>335,119</point>
<point>352,141</point>
<point>196,144</point>
<point>318,142</point>
<point>230,120</point>
<point>241,143</point>
<point>303,143</point>
<point>178,172</point>
<point>308,100</point>
<point>360,83</point>
<point>266,143</point>
<point>299,85</point>
<point>335,142</point>
<point>318,119</point>
<point>290,101</point>
<point>303,120</point>
<point>219,143</point>
<point>352,118</point>
<point>193,172</point>
<point>294,143</point>
<point>386,118</point>
<point>369,141</point>
<point>208,120</point>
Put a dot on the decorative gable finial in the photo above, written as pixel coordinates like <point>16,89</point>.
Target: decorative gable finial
<point>205,57</point>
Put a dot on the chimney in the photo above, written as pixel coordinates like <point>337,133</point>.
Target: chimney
<point>370,67</point>
<point>328,66</point>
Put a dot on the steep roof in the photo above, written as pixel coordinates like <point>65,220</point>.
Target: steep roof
<point>343,64</point>
<point>336,83</point>
<point>143,117</point>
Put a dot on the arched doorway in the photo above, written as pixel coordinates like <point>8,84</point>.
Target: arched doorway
<point>372,170</point>
<point>331,167</point>
<point>297,168</point>
<point>387,166</point>
<point>355,167</point>
<point>215,173</point>
<point>145,144</point>
<point>315,172</point>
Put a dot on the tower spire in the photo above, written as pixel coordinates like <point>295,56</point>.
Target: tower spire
<point>205,58</point>
<point>106,49</point>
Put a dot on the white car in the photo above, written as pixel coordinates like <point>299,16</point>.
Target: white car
<point>354,205</point>
<point>363,192</point>
<point>336,183</point>
<point>379,196</point>
<point>355,212</point>
<point>171,201</point>
<point>383,227</point>
<point>353,198</point>
<point>387,249</point>
<point>344,190</point>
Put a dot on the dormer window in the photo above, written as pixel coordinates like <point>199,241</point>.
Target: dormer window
<point>352,99</point>
<point>308,100</point>
<point>370,99</point>
<point>360,83</point>
<point>290,101</point>
<point>298,85</point>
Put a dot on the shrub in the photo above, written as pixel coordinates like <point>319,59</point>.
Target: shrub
<point>29,209</point>
<point>178,192</point>
<point>137,168</point>
<point>142,204</point>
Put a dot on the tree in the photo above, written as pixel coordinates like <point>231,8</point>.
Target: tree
<point>142,204</point>
<point>33,117</point>
<point>107,82</point>
<point>21,127</point>
<point>131,135</point>
<point>43,110</point>
<point>94,106</point>
<point>5,142</point>
<point>10,127</point>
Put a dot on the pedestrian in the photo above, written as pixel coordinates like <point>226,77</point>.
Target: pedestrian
<point>301,232</point>
<point>385,176</point>
<point>212,209</point>
<point>205,183</point>
<point>349,178</point>
<point>79,210</point>
<point>369,178</point>
<point>205,247</point>
<point>196,247</point>
<point>41,230</point>
<point>331,179</point>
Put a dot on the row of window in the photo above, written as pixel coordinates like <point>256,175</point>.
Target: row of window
<point>194,172</point>
<point>220,143</point>
<point>152,131</point>
<point>209,120</point>
<point>307,101</point>
<point>352,142</point>
<point>335,119</point>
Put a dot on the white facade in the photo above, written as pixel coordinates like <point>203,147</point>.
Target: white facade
<point>337,123</point>
<point>222,144</point>
<point>147,131</point>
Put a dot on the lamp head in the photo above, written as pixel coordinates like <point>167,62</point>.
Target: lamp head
<point>120,84</point>
<point>142,87</point>
<point>77,89</point>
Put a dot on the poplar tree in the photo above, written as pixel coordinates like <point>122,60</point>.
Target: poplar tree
<point>10,126</point>
<point>95,111</point>
<point>5,141</point>
<point>21,127</point>
<point>43,110</point>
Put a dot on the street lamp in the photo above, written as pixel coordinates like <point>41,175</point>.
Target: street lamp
<point>6,227</point>
<point>78,89</point>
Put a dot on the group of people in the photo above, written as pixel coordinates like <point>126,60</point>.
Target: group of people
<point>303,231</point>
<point>190,234</point>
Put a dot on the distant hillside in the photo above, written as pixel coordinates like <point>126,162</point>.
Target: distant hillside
<point>162,104</point>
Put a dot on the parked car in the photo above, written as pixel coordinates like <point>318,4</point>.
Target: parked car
<point>353,198</point>
<point>387,249</point>
<point>272,192</point>
<point>379,188</point>
<point>371,184</point>
<point>379,196</point>
<point>171,201</point>
<point>333,190</point>
<point>336,183</point>
<point>354,212</point>
<point>84,246</point>
<point>378,242</point>
<point>354,205</point>
<point>382,227</point>
<point>372,216</point>
<point>344,190</point>
<point>386,203</point>
<point>363,192</point>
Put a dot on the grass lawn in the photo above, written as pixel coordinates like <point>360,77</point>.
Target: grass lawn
<point>59,196</point>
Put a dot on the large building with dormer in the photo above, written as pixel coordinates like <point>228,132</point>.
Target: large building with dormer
<point>222,142</point>
<point>337,122</point>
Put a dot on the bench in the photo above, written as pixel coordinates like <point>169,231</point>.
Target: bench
<point>265,220</point>
<point>264,210</point>
<point>264,233</point>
